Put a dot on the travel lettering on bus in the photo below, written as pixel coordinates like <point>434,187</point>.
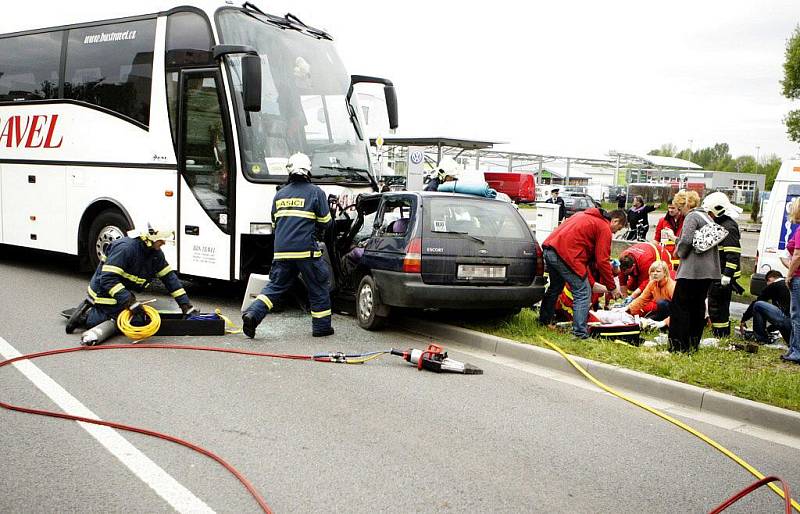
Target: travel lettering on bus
<point>34,131</point>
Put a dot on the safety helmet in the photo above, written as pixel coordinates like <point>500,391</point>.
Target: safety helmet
<point>299,164</point>
<point>158,232</point>
<point>447,167</point>
<point>719,204</point>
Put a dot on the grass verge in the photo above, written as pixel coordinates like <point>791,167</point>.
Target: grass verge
<point>761,377</point>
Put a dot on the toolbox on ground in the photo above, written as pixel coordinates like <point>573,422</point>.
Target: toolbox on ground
<point>173,324</point>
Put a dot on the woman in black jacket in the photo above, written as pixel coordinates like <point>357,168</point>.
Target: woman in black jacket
<point>637,219</point>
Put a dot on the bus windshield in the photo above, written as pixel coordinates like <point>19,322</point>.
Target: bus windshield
<point>304,104</point>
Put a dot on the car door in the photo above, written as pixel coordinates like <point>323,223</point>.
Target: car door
<point>393,227</point>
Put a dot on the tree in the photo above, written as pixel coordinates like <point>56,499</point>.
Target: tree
<point>770,168</point>
<point>791,83</point>
<point>666,150</point>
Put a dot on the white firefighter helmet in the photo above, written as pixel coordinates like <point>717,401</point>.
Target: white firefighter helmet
<point>719,204</point>
<point>158,232</point>
<point>447,167</point>
<point>299,164</point>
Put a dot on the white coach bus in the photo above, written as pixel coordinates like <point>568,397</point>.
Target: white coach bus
<point>186,117</point>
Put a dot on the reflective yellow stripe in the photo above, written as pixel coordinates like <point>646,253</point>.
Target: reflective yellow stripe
<point>568,309</point>
<point>100,300</point>
<point>721,325</point>
<point>732,249</point>
<point>568,293</point>
<point>731,265</point>
<point>178,292</point>
<point>676,262</point>
<point>320,314</point>
<point>290,202</point>
<point>103,258</point>
<point>737,274</point>
<point>297,255</point>
<point>294,213</point>
<point>324,219</point>
<point>116,289</point>
<point>119,271</point>
<point>266,301</point>
<point>164,271</point>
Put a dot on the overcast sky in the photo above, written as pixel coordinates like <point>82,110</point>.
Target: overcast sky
<point>568,77</point>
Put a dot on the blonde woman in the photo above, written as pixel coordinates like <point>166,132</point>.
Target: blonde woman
<point>793,281</point>
<point>695,274</point>
<point>655,299</point>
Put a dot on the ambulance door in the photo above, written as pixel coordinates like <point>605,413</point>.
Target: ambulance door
<point>205,213</point>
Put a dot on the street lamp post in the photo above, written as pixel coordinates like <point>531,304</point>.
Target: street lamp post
<point>758,156</point>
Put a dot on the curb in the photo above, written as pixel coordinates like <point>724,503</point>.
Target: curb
<point>704,400</point>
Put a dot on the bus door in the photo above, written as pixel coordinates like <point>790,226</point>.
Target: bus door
<point>205,213</point>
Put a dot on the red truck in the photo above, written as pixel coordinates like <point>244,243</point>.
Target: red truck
<point>521,187</point>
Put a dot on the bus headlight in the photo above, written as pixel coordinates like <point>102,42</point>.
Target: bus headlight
<point>261,228</point>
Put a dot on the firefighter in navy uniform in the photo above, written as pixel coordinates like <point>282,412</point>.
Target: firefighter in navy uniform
<point>300,208</point>
<point>129,266</point>
<point>730,252</point>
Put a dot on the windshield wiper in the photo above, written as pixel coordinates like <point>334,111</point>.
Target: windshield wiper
<point>478,239</point>
<point>352,172</point>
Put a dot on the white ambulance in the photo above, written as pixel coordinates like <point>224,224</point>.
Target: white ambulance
<point>775,226</point>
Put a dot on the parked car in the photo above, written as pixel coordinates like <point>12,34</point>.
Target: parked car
<point>435,250</point>
<point>574,203</point>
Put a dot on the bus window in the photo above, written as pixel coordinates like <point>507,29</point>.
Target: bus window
<point>205,151</point>
<point>29,66</point>
<point>303,104</point>
<point>112,66</point>
<point>188,43</point>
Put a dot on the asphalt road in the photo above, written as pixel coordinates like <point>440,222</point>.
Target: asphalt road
<point>379,437</point>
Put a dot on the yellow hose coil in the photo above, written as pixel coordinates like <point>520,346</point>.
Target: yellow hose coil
<point>143,332</point>
<point>735,458</point>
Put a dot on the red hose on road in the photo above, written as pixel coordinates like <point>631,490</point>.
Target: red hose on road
<point>250,488</point>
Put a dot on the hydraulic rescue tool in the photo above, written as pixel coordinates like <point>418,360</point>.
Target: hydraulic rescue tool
<point>435,359</point>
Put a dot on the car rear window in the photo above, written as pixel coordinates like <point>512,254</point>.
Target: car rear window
<point>479,218</point>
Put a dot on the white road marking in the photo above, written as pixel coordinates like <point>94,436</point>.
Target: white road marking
<point>180,498</point>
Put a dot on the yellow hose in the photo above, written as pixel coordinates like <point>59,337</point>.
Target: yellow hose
<point>738,460</point>
<point>143,332</point>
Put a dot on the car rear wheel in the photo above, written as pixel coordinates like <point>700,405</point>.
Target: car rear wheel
<point>368,305</point>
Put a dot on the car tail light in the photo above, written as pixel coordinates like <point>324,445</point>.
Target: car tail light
<point>412,263</point>
<point>539,259</point>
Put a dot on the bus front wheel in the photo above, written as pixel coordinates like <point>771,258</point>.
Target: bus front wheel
<point>109,226</point>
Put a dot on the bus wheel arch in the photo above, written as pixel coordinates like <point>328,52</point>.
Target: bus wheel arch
<point>105,219</point>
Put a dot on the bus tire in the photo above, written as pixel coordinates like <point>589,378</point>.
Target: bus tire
<point>106,228</point>
<point>370,312</point>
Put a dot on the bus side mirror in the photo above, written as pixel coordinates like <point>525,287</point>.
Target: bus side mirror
<point>391,105</point>
<point>388,92</point>
<point>251,83</point>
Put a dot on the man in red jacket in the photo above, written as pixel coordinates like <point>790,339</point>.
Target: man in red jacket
<point>635,265</point>
<point>582,239</point>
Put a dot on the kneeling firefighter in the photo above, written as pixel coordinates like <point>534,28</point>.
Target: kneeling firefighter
<point>300,208</point>
<point>130,264</point>
<point>719,294</point>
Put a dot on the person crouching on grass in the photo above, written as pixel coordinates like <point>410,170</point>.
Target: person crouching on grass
<point>584,239</point>
<point>656,297</point>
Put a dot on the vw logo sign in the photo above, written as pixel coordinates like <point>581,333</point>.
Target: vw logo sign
<point>417,157</point>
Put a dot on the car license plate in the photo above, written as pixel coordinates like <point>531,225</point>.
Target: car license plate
<point>468,271</point>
